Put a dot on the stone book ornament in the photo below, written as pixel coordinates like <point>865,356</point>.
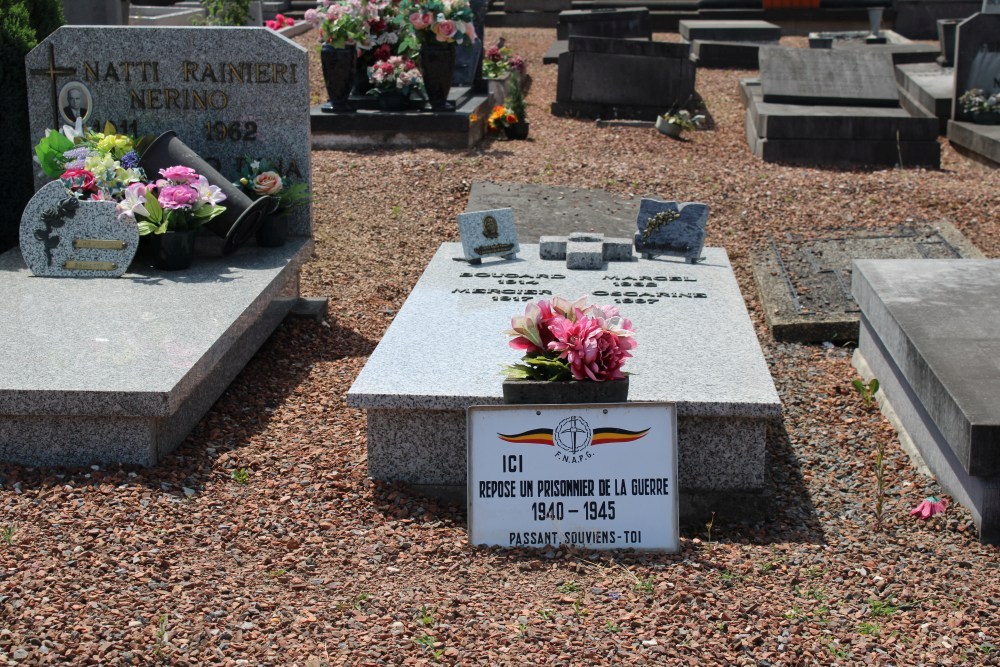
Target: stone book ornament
<point>488,234</point>
<point>669,228</point>
<point>64,236</point>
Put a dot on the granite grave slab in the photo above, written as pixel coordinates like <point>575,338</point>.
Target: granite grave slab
<point>917,19</point>
<point>977,65</point>
<point>729,31</point>
<point>830,78</point>
<point>925,89</point>
<point>610,22</point>
<point>621,78</point>
<point>930,329</point>
<point>112,371</point>
<point>724,394</point>
<point>229,93</point>
<point>804,281</point>
<point>585,250</point>
<point>671,229</point>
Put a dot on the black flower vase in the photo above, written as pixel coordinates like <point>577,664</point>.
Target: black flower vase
<point>517,131</point>
<point>172,251</point>
<point>542,392</point>
<point>239,222</point>
<point>437,64</point>
<point>339,66</point>
<point>393,100</point>
<point>362,84</point>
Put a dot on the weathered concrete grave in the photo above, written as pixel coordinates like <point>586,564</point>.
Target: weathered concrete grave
<point>697,348</point>
<point>929,333</point>
<point>804,281</point>
<point>977,65</point>
<point>926,89</point>
<point>717,43</point>
<point>610,22</point>
<point>822,107</point>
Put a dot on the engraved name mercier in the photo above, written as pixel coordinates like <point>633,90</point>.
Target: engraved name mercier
<point>229,93</point>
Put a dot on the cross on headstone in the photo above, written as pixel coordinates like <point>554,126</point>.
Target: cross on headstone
<point>53,72</point>
<point>585,251</point>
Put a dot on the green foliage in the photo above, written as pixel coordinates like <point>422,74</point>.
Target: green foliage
<point>23,23</point>
<point>515,100</point>
<point>882,608</point>
<point>569,587</point>
<point>866,391</point>
<point>50,151</point>
<point>538,367</point>
<point>7,535</point>
<point>241,476</point>
<point>226,12</point>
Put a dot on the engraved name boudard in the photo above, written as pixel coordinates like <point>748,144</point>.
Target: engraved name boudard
<point>635,288</point>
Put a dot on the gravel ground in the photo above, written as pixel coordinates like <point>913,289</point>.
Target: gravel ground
<point>261,541</point>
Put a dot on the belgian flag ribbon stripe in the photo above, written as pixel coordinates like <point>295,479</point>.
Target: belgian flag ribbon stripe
<point>538,436</point>
<point>604,436</point>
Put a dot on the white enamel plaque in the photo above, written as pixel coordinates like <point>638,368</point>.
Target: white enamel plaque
<point>595,476</point>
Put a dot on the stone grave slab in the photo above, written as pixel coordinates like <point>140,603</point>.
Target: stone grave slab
<point>95,12</point>
<point>213,86</point>
<point>729,31</point>
<point>979,142</point>
<point>112,371</point>
<point>724,394</point>
<point>925,89</point>
<point>900,53</point>
<point>734,55</point>
<point>622,78</point>
<point>614,22</point>
<point>837,135</point>
<point>917,19</point>
<point>930,329</point>
<point>824,77</point>
<point>544,210</point>
<point>804,281</point>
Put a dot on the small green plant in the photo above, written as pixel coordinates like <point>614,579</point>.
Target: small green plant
<point>7,535</point>
<point>225,12</point>
<point>546,614</point>
<point>866,391</point>
<point>870,629</point>
<point>522,630</point>
<point>814,571</point>
<point>839,652</point>
<point>515,100</point>
<point>569,587</point>
<point>424,616</point>
<point>437,654</point>
<point>611,627</point>
<point>795,613</point>
<point>731,577</point>
<point>396,211</point>
<point>578,609</point>
<point>882,608</point>
<point>241,476</point>
<point>644,585</point>
<point>425,640</point>
<point>360,600</point>
<point>708,528</point>
<point>161,635</point>
<point>277,573</point>
<point>988,649</point>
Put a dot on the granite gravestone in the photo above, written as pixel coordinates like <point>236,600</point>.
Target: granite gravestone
<point>469,57</point>
<point>672,229</point>
<point>231,94</point>
<point>488,234</point>
<point>63,236</point>
<point>977,57</point>
<point>806,76</point>
<point>991,7</point>
<point>617,23</point>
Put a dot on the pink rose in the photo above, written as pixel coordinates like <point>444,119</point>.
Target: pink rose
<point>267,183</point>
<point>179,174</point>
<point>178,197</point>
<point>445,30</point>
<point>421,21</point>
<point>312,16</point>
<point>79,180</point>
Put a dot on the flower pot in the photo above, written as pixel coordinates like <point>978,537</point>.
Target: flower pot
<point>273,232</point>
<point>172,251</point>
<point>239,222</point>
<point>437,64</point>
<point>539,392</point>
<point>393,100</point>
<point>985,117</point>
<point>362,84</point>
<point>670,129</point>
<point>517,131</point>
<point>339,66</point>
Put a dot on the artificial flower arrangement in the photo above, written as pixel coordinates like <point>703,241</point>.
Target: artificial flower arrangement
<point>501,117</point>
<point>499,60</point>
<point>512,117</point>
<point>342,23</point>
<point>564,340</point>
<point>92,165</point>
<point>279,21</point>
<point>260,178</point>
<point>440,21</point>
<point>977,102</point>
<point>182,200</point>
<point>396,73</point>
<point>683,119</point>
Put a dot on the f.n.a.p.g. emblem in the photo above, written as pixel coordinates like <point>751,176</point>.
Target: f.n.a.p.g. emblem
<point>573,438</point>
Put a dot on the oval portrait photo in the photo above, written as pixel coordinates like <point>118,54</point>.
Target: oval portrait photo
<point>75,101</point>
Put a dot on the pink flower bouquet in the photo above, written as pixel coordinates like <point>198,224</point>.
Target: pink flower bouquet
<point>565,340</point>
<point>181,200</point>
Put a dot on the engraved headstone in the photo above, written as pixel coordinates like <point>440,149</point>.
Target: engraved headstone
<point>488,234</point>
<point>977,57</point>
<point>229,93</point>
<point>63,236</point>
<point>820,76</point>
<point>991,7</point>
<point>671,228</point>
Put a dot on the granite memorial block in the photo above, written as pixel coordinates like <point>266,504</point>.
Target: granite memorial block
<point>927,89</point>
<point>488,234</point>
<point>672,229</point>
<point>977,58</point>
<point>929,334</point>
<point>725,398</point>
<point>469,56</point>
<point>729,31</point>
<point>623,78</point>
<point>64,236</point>
<point>616,23</point>
<point>96,12</point>
<point>231,94</point>
<point>585,250</point>
<point>809,76</point>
